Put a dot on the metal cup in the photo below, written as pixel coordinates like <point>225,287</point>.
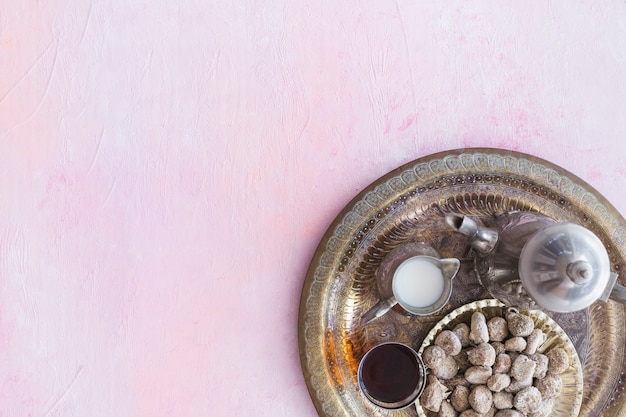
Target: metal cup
<point>392,375</point>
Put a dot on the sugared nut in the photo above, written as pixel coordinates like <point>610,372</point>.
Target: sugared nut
<point>498,382</point>
<point>447,410</point>
<point>433,356</point>
<point>498,329</point>
<point>541,362</point>
<point>433,394</point>
<point>503,400</point>
<point>447,369</point>
<point>502,365</point>
<point>478,374</point>
<point>520,324</point>
<point>527,400</point>
<point>462,360</point>
<point>458,380</point>
<point>516,386</point>
<point>460,398</point>
<point>534,341</point>
<point>515,344</point>
<point>449,342</point>
<point>481,399</point>
<point>462,331</point>
<point>479,333</point>
<point>545,410</point>
<point>482,354</point>
<point>558,361</point>
<point>523,368</point>
<point>550,386</point>
<point>498,347</point>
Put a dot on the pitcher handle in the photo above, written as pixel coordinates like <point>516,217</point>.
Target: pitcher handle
<point>379,309</point>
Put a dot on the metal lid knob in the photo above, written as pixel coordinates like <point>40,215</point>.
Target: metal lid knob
<point>580,272</point>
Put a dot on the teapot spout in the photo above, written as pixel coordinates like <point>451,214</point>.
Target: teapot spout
<point>481,238</point>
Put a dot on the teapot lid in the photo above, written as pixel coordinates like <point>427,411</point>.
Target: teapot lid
<point>564,267</point>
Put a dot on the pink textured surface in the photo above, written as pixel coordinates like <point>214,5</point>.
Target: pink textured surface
<point>168,168</point>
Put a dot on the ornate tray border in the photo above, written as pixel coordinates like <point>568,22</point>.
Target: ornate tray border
<point>360,215</point>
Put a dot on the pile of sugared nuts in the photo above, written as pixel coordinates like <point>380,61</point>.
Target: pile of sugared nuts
<point>492,368</point>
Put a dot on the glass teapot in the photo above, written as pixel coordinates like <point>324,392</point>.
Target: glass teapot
<point>532,261</point>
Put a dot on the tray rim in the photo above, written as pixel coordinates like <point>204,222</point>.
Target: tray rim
<point>357,213</point>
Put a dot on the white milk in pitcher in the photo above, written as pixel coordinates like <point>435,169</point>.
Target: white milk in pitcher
<point>418,283</point>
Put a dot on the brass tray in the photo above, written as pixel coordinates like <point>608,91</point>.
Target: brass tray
<point>410,203</point>
<point>569,402</point>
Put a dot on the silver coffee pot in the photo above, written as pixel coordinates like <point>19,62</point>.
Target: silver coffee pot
<point>531,261</point>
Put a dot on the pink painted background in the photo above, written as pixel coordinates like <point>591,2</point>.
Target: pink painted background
<point>167,168</point>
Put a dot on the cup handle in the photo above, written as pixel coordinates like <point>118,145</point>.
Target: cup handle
<point>378,310</point>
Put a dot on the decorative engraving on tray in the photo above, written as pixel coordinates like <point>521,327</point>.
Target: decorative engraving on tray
<point>340,285</point>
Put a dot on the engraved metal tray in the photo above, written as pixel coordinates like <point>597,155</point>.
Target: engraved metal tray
<point>410,203</point>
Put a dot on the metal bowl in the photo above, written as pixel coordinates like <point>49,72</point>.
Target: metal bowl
<point>569,402</point>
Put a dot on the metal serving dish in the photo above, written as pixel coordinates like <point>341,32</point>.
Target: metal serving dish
<point>569,401</point>
<point>410,203</point>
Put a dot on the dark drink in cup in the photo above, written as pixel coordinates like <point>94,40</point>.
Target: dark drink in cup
<point>391,375</point>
